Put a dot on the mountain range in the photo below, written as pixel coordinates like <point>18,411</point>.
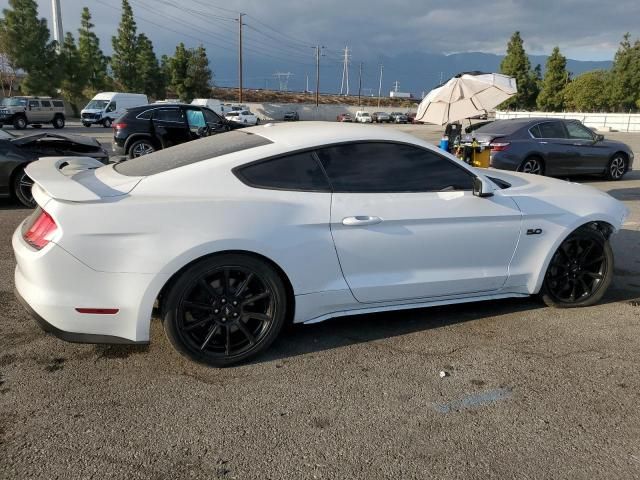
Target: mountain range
<point>416,72</point>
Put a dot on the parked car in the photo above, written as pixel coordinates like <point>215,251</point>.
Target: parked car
<point>105,107</point>
<point>35,111</point>
<point>17,152</point>
<point>554,147</point>
<point>291,117</point>
<point>398,117</point>
<point>234,235</point>
<point>363,117</point>
<point>243,117</point>
<point>380,117</point>
<point>411,117</point>
<point>344,117</point>
<point>148,128</point>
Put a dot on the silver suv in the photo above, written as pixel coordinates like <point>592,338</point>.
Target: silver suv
<point>23,111</point>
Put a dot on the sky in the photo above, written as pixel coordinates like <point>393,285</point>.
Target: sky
<point>284,31</point>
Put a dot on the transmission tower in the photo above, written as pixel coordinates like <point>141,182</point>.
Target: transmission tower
<point>345,72</point>
<point>283,79</point>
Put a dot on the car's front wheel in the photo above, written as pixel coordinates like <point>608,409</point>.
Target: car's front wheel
<point>140,148</point>
<point>19,122</point>
<point>225,309</point>
<point>22,185</point>
<point>532,165</point>
<point>617,167</point>
<point>106,123</point>
<point>580,270</point>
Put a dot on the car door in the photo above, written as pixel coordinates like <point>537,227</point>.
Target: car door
<point>170,126</point>
<point>406,224</point>
<point>214,122</point>
<point>197,123</point>
<point>46,111</point>
<point>34,115</point>
<point>593,154</point>
<point>551,139</point>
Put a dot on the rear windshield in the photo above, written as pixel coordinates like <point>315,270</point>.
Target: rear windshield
<point>501,127</point>
<point>191,152</point>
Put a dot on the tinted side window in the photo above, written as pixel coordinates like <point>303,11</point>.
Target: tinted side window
<point>578,132</point>
<point>146,115</point>
<point>551,130</point>
<point>45,103</point>
<point>389,167</point>
<point>535,131</point>
<point>58,104</point>
<point>211,117</point>
<point>34,104</point>
<point>293,172</point>
<point>169,115</point>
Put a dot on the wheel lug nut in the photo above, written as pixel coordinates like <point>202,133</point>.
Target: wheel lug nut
<point>224,319</point>
<point>235,303</point>
<point>235,314</point>
<point>216,311</point>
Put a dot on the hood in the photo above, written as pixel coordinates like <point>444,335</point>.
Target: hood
<point>77,139</point>
<point>538,195</point>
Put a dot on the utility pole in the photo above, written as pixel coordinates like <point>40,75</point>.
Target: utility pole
<point>318,47</point>
<point>380,84</point>
<point>57,23</point>
<point>359,83</point>
<point>240,57</point>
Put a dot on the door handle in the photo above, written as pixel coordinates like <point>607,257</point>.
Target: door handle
<point>360,220</point>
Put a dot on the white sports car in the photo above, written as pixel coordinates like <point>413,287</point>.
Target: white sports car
<point>236,234</point>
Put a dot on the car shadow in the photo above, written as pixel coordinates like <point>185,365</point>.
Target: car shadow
<point>11,204</point>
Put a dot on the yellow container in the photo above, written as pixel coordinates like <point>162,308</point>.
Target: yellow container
<point>481,158</point>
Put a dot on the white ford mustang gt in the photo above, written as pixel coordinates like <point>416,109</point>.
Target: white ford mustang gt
<point>236,234</point>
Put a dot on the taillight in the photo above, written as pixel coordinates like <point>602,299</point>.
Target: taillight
<point>119,126</point>
<point>499,146</point>
<point>41,231</point>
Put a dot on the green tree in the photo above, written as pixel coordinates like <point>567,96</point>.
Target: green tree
<point>150,77</point>
<point>516,64</point>
<point>588,92</point>
<point>25,41</point>
<point>178,67</point>
<point>624,88</point>
<point>125,50</point>
<point>199,74</point>
<point>74,78</point>
<point>92,60</point>
<point>551,97</point>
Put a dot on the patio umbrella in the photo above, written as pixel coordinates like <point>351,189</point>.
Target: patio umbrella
<point>464,96</point>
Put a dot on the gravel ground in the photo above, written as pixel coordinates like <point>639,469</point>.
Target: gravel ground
<point>530,392</point>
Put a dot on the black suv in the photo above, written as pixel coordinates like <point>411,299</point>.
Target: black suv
<point>148,128</point>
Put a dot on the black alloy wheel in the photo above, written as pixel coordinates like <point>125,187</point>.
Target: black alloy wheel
<point>580,271</point>
<point>225,309</point>
<point>22,185</point>
<point>532,166</point>
<point>140,148</point>
<point>617,167</point>
<point>58,122</point>
<point>19,122</point>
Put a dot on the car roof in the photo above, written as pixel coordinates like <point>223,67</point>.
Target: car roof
<point>160,105</point>
<point>511,125</point>
<point>294,136</point>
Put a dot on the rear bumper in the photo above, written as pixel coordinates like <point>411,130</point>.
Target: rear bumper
<point>502,161</point>
<point>53,284</point>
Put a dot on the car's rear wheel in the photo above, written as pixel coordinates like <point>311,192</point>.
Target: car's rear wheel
<point>85,124</point>
<point>617,167</point>
<point>20,123</point>
<point>140,148</point>
<point>225,309</point>
<point>22,185</point>
<point>58,122</point>
<point>106,123</point>
<point>580,271</point>
<point>532,165</point>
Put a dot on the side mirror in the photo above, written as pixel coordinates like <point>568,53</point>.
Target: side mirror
<point>599,137</point>
<point>481,188</point>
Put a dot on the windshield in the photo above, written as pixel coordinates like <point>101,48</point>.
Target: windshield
<point>232,114</point>
<point>97,104</point>
<point>14,102</point>
<point>364,114</point>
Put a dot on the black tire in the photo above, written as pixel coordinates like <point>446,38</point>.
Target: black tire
<point>58,122</point>
<point>21,186</point>
<point>85,124</point>
<point>20,122</point>
<point>532,165</point>
<point>141,147</point>
<point>225,309</point>
<point>580,270</point>
<point>257,121</point>
<point>106,123</point>
<point>617,167</point>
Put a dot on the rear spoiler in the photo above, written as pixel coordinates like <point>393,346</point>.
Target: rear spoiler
<point>79,179</point>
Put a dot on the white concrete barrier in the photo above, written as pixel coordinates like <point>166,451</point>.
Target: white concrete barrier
<point>619,122</point>
<point>309,111</point>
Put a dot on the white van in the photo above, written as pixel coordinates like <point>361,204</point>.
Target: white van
<point>212,104</point>
<point>105,107</point>
<point>363,117</point>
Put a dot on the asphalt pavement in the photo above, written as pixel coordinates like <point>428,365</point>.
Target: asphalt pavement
<point>527,392</point>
